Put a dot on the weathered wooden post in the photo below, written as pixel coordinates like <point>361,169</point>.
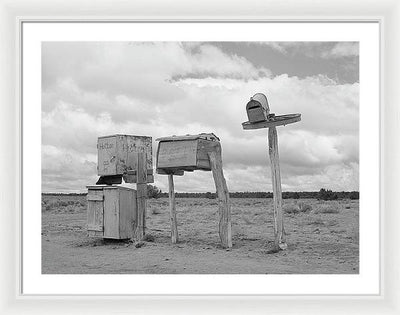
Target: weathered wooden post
<point>259,116</point>
<point>178,154</point>
<point>225,226</point>
<point>141,187</point>
<point>172,209</point>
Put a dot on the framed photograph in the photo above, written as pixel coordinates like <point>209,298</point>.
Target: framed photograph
<point>214,100</point>
<point>97,82</point>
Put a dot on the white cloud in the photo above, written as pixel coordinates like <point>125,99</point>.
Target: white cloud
<point>160,89</point>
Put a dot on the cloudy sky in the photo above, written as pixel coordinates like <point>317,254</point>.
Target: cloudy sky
<point>92,89</point>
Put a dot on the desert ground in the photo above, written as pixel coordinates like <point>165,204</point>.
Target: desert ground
<point>322,238</point>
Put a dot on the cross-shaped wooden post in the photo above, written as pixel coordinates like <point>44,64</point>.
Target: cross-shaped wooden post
<point>259,117</point>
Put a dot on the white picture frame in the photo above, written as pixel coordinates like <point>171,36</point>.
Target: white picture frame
<point>11,126</point>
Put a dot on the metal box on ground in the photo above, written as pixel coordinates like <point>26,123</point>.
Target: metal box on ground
<point>185,153</point>
<point>111,211</point>
<point>117,155</point>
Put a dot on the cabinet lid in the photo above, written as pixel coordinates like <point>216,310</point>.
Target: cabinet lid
<point>122,135</point>
<point>204,136</point>
<point>101,187</point>
<point>93,187</point>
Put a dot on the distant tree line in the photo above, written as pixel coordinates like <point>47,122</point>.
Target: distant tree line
<point>323,194</point>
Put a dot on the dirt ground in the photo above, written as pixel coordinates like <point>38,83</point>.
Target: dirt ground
<point>322,238</point>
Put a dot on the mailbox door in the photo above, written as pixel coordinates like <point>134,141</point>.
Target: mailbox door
<point>95,222</point>
<point>256,114</point>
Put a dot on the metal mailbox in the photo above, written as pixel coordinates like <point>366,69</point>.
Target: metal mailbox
<point>257,108</point>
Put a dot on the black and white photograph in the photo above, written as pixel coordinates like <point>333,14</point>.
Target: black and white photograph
<point>200,157</point>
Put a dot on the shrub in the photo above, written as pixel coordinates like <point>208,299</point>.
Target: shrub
<point>210,195</point>
<point>62,203</point>
<point>324,194</point>
<point>153,192</point>
<point>354,195</point>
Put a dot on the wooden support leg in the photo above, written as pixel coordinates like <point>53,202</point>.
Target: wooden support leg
<point>279,231</point>
<point>225,227</point>
<point>172,209</point>
<point>141,186</point>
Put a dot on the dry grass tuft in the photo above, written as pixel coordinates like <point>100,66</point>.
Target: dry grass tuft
<point>294,208</point>
<point>291,208</point>
<point>304,207</point>
<point>327,208</point>
<point>316,221</point>
<point>148,238</point>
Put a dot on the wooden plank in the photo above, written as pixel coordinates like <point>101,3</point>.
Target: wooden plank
<point>127,210</point>
<point>172,209</point>
<point>177,154</point>
<point>224,210</point>
<point>95,187</point>
<point>121,154</point>
<point>95,210</point>
<point>203,148</point>
<point>139,144</point>
<point>281,120</point>
<point>279,231</point>
<point>141,185</point>
<point>132,178</point>
<point>170,171</point>
<point>111,213</point>
<point>94,197</point>
<point>206,136</point>
<point>133,172</point>
<point>106,156</point>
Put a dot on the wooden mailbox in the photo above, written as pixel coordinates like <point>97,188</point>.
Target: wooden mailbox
<point>118,156</point>
<point>178,154</point>
<point>111,211</point>
<point>257,108</point>
<point>185,153</point>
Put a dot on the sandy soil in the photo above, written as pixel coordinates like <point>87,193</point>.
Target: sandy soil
<point>321,240</point>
